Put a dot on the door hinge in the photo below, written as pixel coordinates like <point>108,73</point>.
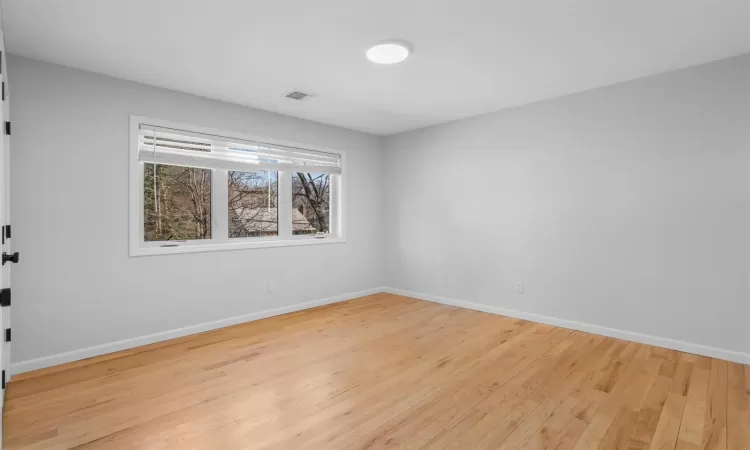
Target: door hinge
<point>12,257</point>
<point>5,297</point>
<point>3,379</point>
<point>7,335</point>
<point>7,128</point>
<point>3,90</point>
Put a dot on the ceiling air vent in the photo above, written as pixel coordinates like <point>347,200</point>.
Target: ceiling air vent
<point>298,95</point>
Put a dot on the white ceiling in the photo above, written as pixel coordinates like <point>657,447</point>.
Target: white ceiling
<point>471,56</point>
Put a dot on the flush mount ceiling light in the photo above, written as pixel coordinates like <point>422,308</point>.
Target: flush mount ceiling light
<point>390,52</point>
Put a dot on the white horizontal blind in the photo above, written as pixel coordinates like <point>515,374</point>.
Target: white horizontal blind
<point>185,148</point>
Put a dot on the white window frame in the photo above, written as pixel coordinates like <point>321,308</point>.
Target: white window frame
<point>219,202</point>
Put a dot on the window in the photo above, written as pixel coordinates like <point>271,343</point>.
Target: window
<point>176,203</point>
<point>311,200</point>
<point>198,190</point>
<point>253,204</point>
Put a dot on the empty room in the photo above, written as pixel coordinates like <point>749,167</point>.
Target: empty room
<point>375,224</point>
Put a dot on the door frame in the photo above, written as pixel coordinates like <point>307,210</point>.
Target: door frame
<point>5,229</point>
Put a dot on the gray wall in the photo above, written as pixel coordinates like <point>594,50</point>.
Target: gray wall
<point>77,287</point>
<point>625,207</point>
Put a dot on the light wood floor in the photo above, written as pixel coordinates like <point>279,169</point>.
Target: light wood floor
<point>385,372</point>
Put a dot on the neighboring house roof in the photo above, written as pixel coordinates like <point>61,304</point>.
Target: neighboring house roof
<point>265,220</point>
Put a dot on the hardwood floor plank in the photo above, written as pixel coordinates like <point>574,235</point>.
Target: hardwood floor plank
<point>665,436</point>
<point>715,425</point>
<point>738,407</point>
<point>646,388</point>
<point>384,372</point>
<point>551,432</point>
<point>647,416</point>
<point>626,396</point>
<point>670,417</point>
<point>694,416</point>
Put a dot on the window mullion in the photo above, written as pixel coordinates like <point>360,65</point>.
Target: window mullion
<point>219,206</point>
<point>335,207</point>
<point>285,204</point>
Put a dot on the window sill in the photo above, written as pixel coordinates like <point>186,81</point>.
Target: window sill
<point>196,248</point>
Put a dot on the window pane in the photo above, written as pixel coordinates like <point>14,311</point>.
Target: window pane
<point>311,200</point>
<point>253,204</point>
<point>177,205</point>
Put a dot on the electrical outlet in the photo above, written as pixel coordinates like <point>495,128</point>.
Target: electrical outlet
<point>519,288</point>
<point>271,286</point>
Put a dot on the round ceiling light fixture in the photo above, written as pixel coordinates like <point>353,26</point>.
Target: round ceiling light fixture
<point>389,52</point>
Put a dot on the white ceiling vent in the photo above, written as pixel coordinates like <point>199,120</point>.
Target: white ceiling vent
<point>298,95</point>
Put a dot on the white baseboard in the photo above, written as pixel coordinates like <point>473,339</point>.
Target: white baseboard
<point>125,344</point>
<point>658,341</point>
